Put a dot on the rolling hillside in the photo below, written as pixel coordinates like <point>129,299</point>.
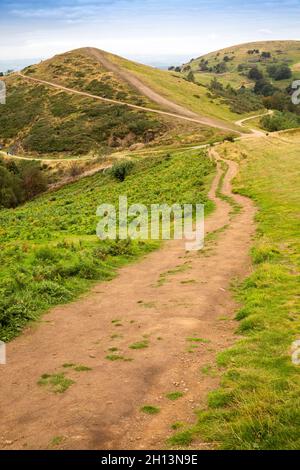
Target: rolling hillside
<point>156,339</point>
<point>239,59</point>
<point>250,77</point>
<point>40,119</point>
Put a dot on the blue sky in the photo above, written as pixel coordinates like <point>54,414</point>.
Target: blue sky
<point>147,30</point>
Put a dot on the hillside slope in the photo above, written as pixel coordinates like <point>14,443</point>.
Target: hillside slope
<point>240,58</point>
<point>41,120</point>
<point>251,77</point>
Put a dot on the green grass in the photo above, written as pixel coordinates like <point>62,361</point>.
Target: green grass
<point>173,86</point>
<point>177,425</point>
<point>150,410</point>
<point>290,52</point>
<point>56,441</point>
<point>198,340</point>
<point>173,396</point>
<point>56,383</point>
<point>48,122</point>
<point>181,439</point>
<point>49,250</point>
<point>140,345</point>
<point>257,406</point>
<point>81,368</point>
<point>114,357</point>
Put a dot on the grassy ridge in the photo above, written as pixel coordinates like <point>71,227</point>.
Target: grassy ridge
<point>49,252</point>
<point>258,403</point>
<point>281,52</point>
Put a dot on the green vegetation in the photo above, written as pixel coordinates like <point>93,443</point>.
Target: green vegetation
<point>150,410</point>
<point>248,62</point>
<point>122,169</point>
<point>177,425</point>
<point>181,439</point>
<point>176,87</point>
<point>20,182</point>
<point>198,340</point>
<point>81,368</point>
<point>41,120</point>
<point>49,251</point>
<point>279,121</point>
<point>46,121</point>
<point>251,77</point>
<point>241,100</point>
<point>140,345</point>
<point>56,383</point>
<point>114,357</point>
<point>78,70</point>
<point>56,441</point>
<point>173,396</point>
<point>257,406</point>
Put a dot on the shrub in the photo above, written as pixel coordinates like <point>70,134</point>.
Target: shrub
<point>280,121</point>
<point>279,72</point>
<point>255,74</point>
<point>121,170</point>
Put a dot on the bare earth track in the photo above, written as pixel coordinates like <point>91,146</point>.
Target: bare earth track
<point>101,410</point>
<point>177,111</point>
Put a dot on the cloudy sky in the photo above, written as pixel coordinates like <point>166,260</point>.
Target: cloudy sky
<point>146,30</point>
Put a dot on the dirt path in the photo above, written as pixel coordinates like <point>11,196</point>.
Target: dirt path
<point>255,132</point>
<point>145,90</point>
<point>46,160</point>
<point>186,115</point>
<point>166,298</point>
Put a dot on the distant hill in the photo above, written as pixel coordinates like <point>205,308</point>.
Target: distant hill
<point>239,59</point>
<point>41,120</point>
<point>250,77</point>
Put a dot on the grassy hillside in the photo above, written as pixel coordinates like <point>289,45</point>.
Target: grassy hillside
<point>174,86</point>
<point>49,249</point>
<point>77,70</point>
<point>39,120</point>
<point>250,77</point>
<point>258,403</point>
<point>244,56</point>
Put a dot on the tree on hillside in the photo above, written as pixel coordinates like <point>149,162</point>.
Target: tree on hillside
<point>266,55</point>
<point>264,87</point>
<point>191,77</point>
<point>279,72</point>
<point>10,188</point>
<point>255,74</point>
<point>277,101</point>
<point>221,67</point>
<point>33,180</point>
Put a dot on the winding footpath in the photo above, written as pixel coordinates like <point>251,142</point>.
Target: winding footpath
<point>167,298</point>
<point>182,114</point>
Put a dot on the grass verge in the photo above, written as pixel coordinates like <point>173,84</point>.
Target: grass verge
<point>257,405</point>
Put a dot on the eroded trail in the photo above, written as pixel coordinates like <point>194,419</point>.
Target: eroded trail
<point>176,111</point>
<point>166,299</point>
